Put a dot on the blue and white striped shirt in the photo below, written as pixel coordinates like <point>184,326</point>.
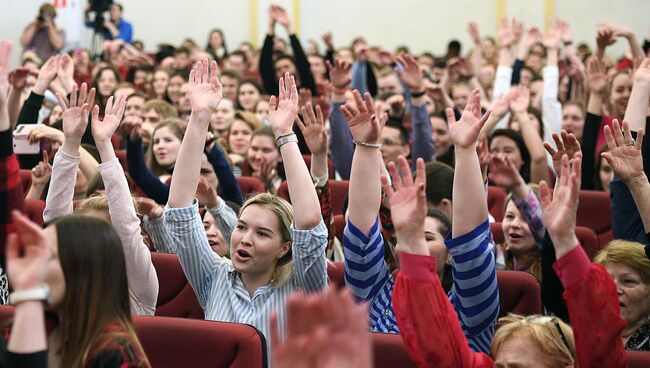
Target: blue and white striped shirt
<point>220,291</point>
<point>474,294</point>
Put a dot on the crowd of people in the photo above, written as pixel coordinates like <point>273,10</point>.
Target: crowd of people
<point>143,152</point>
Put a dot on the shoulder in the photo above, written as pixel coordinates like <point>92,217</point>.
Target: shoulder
<point>116,348</point>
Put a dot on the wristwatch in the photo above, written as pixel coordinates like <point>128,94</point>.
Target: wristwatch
<point>41,293</point>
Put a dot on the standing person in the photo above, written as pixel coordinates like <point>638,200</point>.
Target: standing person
<point>115,27</point>
<point>273,253</point>
<point>43,35</point>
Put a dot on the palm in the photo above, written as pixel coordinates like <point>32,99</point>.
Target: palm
<point>103,130</point>
<point>465,131</point>
<point>642,74</point>
<point>597,82</point>
<point>559,213</point>
<point>205,97</point>
<point>627,162</point>
<point>282,118</point>
<point>406,211</point>
<point>500,106</point>
<point>363,129</point>
<point>316,138</point>
<point>504,175</point>
<point>75,121</point>
<point>340,74</point>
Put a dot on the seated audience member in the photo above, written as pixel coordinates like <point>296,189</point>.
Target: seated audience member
<point>153,112</point>
<point>230,84</point>
<point>159,83</point>
<point>264,160</point>
<point>237,61</point>
<point>173,93</point>
<point>240,134</point>
<point>216,45</point>
<point>42,35</point>
<point>273,253</point>
<point>222,118</point>
<point>367,275</point>
<point>248,93</point>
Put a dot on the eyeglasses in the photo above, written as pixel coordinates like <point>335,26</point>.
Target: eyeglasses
<point>544,320</point>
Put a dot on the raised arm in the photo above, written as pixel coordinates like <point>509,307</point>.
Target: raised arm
<point>470,201</point>
<point>627,33</point>
<point>519,107</point>
<point>637,106</point>
<point>341,145</point>
<point>551,107</point>
<point>598,340</point>
<point>143,282</point>
<point>66,161</point>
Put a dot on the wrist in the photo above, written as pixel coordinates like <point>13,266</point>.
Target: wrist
<point>636,181</point>
<point>71,147</point>
<point>40,87</point>
<point>412,242</point>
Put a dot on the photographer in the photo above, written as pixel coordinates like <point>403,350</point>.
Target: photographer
<point>42,35</point>
<point>113,28</point>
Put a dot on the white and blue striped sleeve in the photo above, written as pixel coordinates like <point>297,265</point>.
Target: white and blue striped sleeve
<point>365,269</point>
<point>310,265</point>
<point>475,293</point>
<point>199,262</point>
<point>159,235</point>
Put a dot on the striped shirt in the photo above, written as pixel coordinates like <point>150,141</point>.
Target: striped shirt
<point>474,294</point>
<point>219,289</point>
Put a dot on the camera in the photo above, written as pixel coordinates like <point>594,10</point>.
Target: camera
<point>42,18</point>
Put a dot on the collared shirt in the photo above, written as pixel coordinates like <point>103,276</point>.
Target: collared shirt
<point>124,31</point>
<point>217,285</point>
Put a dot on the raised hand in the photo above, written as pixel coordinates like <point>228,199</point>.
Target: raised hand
<point>474,34</point>
<point>27,254</point>
<point>506,33</point>
<point>565,29</point>
<point>365,124</point>
<point>148,207</point>
<point>313,129</point>
<point>317,337</point>
<point>411,75</point>
<point>5,56</point>
<point>205,89</point>
<point>596,75</point>
<point>408,204</point>
<point>552,39</point>
<point>103,130</point>
<point>281,16</point>
<point>501,105</point>
<point>520,99</point>
<point>605,37</point>
<point>566,144</point>
<point>340,73</point>
<point>464,133</point>
<point>206,194</point>
<point>46,74</point>
<point>65,72</point>
<point>532,36</point>
<point>75,117</point>
<point>42,131</point>
<point>560,211</point>
<point>284,109</point>
<point>624,154</point>
<point>42,172</point>
<point>18,78</point>
<point>616,29</point>
<point>328,40</point>
<point>642,73</point>
<point>503,172</point>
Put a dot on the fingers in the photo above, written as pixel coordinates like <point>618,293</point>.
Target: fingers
<point>347,113</point>
<point>273,103</point>
<point>407,178</point>
<point>192,78</point>
<point>618,133</point>
<point>281,91</point>
<point>627,134</point>
<point>301,125</point>
<point>420,172</point>
<point>388,189</point>
<point>451,117</point>
<point>73,95</point>
<point>46,157</point>
<point>551,151</point>
<point>319,115</point>
<point>397,181</point>
<point>639,139</point>
<point>91,97</point>
<point>609,138</point>
<point>369,105</point>
<point>293,90</point>
<point>120,108</point>
<point>95,115</point>
<point>359,101</point>
<point>109,106</point>
<point>82,93</point>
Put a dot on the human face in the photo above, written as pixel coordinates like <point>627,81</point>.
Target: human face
<point>535,61</point>
<point>345,55</point>
<point>55,114</point>
<point>605,174</point>
<point>633,293</point>
<point>262,110</point>
<point>282,66</point>
<point>160,81</point>
<point>239,138</point>
<point>134,106</point>
<point>256,244</point>
<point>436,243</point>
<point>488,49</point>
<point>115,13</point>
<point>236,63</point>
<point>391,145</point>
<point>182,60</point>
<point>620,94</point>
<point>248,96</point>
<point>460,96</point>
<point>222,117</point>
<point>573,120</point>
<point>150,120</point>
<point>139,78</point>
<point>165,146</point>
<point>207,172</point>
<point>505,145</point>
<point>525,77</point>
<point>317,67</point>
<point>215,238</point>
<point>216,41</point>
<point>517,232</point>
<point>184,102</point>
<point>229,86</point>
<point>106,83</point>
<point>486,75</point>
<point>440,136</point>
<point>54,277</point>
<point>174,88</point>
<point>519,350</point>
<point>262,150</point>
<point>389,84</point>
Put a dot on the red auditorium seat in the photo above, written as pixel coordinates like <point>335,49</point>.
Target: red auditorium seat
<point>180,342</point>
<point>330,164</point>
<point>26,178</point>
<point>335,274</point>
<point>176,297</point>
<point>586,236</point>
<point>496,198</point>
<point>338,188</point>
<point>594,213</point>
<point>388,351</point>
<point>638,359</point>
<point>250,185</point>
<point>339,226</point>
<point>34,210</point>
<point>519,293</point>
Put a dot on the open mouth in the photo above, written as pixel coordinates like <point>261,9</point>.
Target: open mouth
<point>243,254</point>
<point>213,243</point>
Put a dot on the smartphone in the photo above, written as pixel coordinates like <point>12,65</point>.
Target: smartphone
<point>22,146</point>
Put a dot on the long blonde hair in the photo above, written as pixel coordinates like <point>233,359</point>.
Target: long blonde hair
<point>284,212</point>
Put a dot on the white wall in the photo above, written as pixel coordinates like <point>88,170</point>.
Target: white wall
<point>420,24</point>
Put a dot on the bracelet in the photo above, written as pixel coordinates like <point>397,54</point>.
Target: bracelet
<point>364,144</point>
<point>417,94</point>
<point>284,139</point>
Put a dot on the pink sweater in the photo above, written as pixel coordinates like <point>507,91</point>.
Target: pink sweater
<point>143,282</point>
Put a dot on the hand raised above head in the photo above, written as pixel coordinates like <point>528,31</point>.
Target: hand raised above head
<point>75,117</point>
<point>566,144</point>
<point>624,154</point>
<point>284,108</point>
<point>205,89</point>
<point>411,75</point>
<point>340,73</point>
<point>365,124</point>
<point>464,132</point>
<point>313,129</point>
<point>103,130</point>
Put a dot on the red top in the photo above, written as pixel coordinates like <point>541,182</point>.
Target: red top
<point>433,337</point>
